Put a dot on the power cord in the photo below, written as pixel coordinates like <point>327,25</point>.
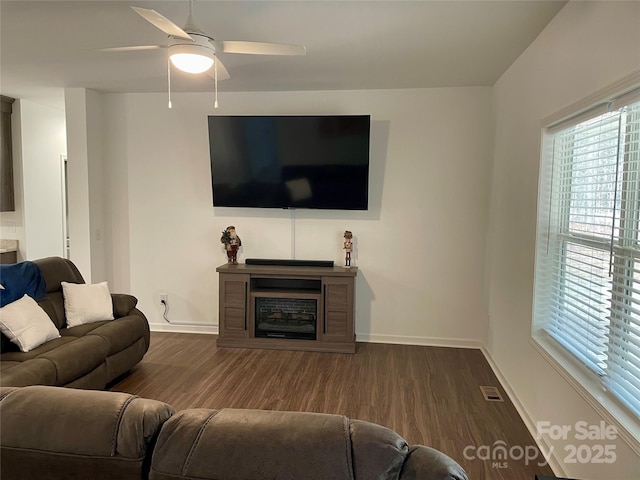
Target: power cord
<point>166,318</point>
<point>166,309</point>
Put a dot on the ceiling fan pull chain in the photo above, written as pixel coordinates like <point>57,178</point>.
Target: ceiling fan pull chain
<point>169,79</point>
<point>215,79</point>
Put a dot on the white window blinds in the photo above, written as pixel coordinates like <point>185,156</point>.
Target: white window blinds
<point>588,263</point>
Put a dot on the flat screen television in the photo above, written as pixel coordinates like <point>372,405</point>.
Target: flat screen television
<point>290,161</point>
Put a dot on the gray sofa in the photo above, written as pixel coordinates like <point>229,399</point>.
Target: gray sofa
<point>85,356</point>
<point>61,433</point>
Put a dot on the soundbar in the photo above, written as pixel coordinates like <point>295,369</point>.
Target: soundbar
<point>289,263</point>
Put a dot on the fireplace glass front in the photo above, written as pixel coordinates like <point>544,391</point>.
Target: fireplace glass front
<point>286,317</point>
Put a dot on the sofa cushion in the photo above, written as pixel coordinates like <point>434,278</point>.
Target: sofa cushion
<point>121,333</point>
<point>81,330</point>
<point>53,304</point>
<point>252,445</point>
<point>56,270</point>
<point>38,371</point>
<point>94,380</point>
<point>86,303</point>
<point>60,433</point>
<point>77,357</point>
<point>36,352</point>
<point>26,324</point>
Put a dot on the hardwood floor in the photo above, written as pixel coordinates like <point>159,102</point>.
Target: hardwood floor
<point>429,395</point>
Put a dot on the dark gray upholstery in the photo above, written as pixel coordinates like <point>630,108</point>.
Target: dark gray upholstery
<point>62,433</point>
<point>424,459</point>
<point>86,356</point>
<point>305,445</point>
<point>37,371</point>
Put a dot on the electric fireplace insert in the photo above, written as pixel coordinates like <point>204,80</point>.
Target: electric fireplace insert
<point>282,317</point>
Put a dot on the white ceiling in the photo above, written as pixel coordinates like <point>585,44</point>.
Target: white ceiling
<point>48,45</point>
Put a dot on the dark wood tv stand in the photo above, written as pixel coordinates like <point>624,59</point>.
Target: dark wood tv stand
<point>330,289</point>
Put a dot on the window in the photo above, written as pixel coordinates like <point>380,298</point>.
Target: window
<point>587,289</point>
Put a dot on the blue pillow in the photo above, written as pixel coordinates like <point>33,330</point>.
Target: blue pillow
<point>20,279</point>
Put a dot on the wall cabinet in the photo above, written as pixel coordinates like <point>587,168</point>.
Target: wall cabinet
<point>7,197</point>
<point>287,307</point>
<point>8,257</point>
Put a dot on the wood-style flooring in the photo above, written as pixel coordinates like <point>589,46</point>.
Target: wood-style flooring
<point>429,395</point>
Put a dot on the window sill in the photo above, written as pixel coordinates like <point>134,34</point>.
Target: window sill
<point>590,389</point>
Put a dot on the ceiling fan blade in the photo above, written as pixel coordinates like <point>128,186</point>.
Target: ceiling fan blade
<point>163,23</point>
<point>132,49</point>
<point>259,48</point>
<point>223,73</point>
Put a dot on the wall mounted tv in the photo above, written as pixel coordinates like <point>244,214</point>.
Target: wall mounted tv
<point>288,161</point>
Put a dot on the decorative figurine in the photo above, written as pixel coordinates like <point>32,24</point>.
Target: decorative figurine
<point>231,243</point>
<point>348,248</point>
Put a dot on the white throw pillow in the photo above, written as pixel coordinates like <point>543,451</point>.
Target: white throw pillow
<point>86,303</point>
<point>26,324</point>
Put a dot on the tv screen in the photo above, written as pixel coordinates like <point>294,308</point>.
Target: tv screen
<point>289,161</point>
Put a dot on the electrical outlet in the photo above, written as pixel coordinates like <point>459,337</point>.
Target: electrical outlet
<point>164,298</point>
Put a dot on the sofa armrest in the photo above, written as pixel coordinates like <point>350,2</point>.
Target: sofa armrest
<point>123,304</point>
<point>378,452</point>
<point>258,444</point>
<point>61,433</point>
<point>428,463</point>
<point>252,445</point>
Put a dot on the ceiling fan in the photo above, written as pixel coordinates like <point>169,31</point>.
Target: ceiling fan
<point>194,51</point>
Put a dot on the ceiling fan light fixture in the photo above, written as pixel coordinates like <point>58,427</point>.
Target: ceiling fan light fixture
<point>191,58</point>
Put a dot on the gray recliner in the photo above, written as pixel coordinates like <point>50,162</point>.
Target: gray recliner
<point>60,433</point>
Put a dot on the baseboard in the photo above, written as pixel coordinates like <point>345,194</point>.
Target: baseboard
<point>360,337</point>
<point>541,443</point>
<point>209,329</point>
<point>422,341</point>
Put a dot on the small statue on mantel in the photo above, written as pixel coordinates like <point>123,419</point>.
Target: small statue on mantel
<point>348,248</point>
<point>231,243</point>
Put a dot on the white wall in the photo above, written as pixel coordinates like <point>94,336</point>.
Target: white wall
<point>588,46</point>
<point>41,143</point>
<point>116,195</point>
<point>418,247</point>
<point>78,180</point>
<point>96,183</point>
<point>86,182</point>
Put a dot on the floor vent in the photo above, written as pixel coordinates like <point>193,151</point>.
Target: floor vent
<point>491,394</point>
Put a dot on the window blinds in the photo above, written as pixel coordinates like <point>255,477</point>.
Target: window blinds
<point>623,347</point>
<point>588,278</point>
